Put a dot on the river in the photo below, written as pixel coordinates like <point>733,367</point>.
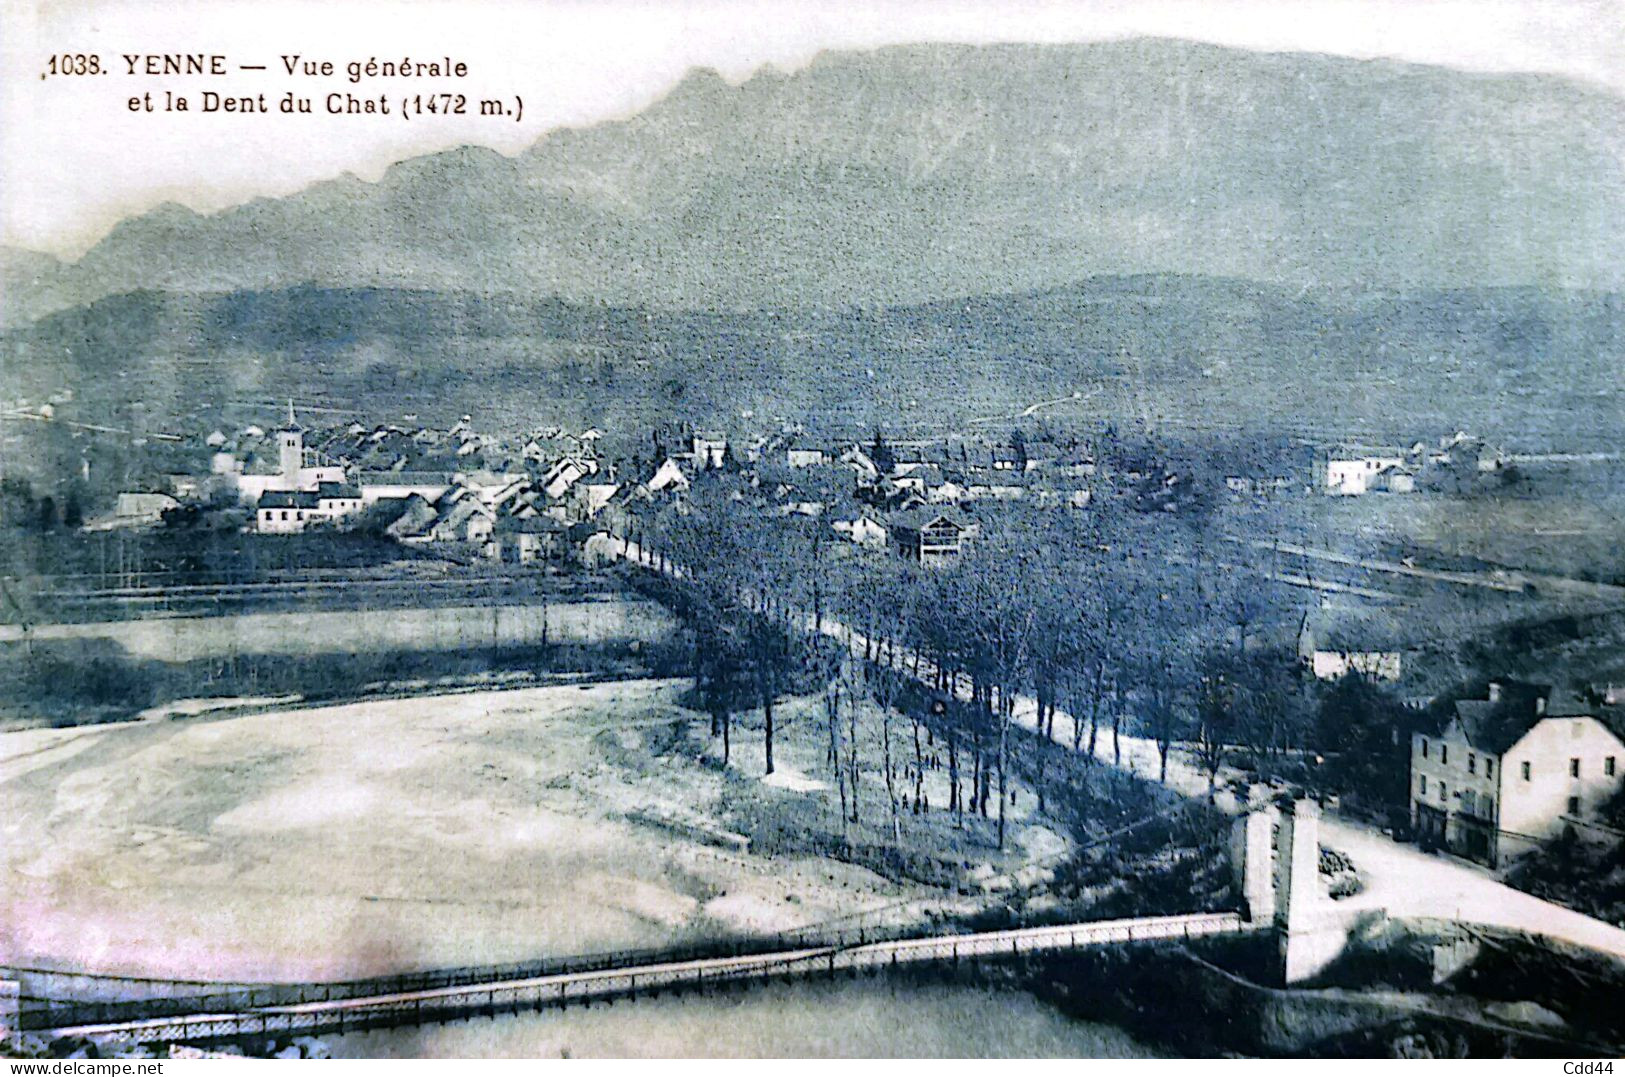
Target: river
<point>866,1018</point>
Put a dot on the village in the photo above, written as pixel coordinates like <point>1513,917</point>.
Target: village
<point>1492,766</point>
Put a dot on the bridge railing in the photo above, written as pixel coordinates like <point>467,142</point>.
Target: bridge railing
<point>168,998</point>
<point>583,976</point>
<point>539,992</point>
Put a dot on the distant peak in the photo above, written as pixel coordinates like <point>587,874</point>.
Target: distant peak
<point>700,80</point>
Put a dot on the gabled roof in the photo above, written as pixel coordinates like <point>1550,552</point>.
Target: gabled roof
<point>1493,727</point>
<point>923,516</point>
<point>1365,452</point>
<point>288,499</point>
<point>330,490</point>
<point>404,478</point>
<point>1569,705</point>
<point>529,525</point>
<point>416,517</point>
<point>1356,631</point>
<point>459,513</point>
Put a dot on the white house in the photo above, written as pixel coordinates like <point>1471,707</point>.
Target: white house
<point>288,512</point>
<point>801,454</point>
<point>669,475</point>
<point>864,529</point>
<point>1350,469</point>
<point>143,506</point>
<point>1336,642</point>
<point>1511,772</point>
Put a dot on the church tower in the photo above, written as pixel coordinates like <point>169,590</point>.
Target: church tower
<point>291,449</point>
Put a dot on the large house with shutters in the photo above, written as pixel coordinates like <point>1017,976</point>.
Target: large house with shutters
<point>1511,772</point>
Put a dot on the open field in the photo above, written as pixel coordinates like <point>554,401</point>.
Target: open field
<point>374,837</point>
<point>1562,519</point>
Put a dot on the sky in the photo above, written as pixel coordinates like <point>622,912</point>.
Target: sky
<point>74,159</point>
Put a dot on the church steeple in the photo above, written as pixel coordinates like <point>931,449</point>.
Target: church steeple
<point>291,448</point>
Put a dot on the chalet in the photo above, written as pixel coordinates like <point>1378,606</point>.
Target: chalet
<point>1511,772</point>
<point>931,535</point>
<point>907,458</point>
<point>490,486</point>
<point>950,491</point>
<point>589,498</point>
<point>889,496</point>
<point>1333,643</point>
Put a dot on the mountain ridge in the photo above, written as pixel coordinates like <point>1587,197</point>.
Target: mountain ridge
<point>917,172</point>
<point>1523,364</point>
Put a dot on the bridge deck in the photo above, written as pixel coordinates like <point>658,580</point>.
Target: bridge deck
<point>514,995</point>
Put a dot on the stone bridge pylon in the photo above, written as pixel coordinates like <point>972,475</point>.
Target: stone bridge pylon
<point>1275,856</point>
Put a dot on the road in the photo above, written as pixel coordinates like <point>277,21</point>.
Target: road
<point>1400,879</point>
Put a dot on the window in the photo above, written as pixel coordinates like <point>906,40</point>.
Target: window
<point>1574,768</point>
<point>1489,768</point>
<point>1486,807</point>
<point>1424,747</point>
<point>1574,805</point>
<point>1525,771</point>
<point>1444,754</point>
<point>1608,766</point>
<point>1472,763</point>
<point>1423,791</point>
<point>1444,793</point>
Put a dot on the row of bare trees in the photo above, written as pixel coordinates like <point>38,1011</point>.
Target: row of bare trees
<point>1124,626</point>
